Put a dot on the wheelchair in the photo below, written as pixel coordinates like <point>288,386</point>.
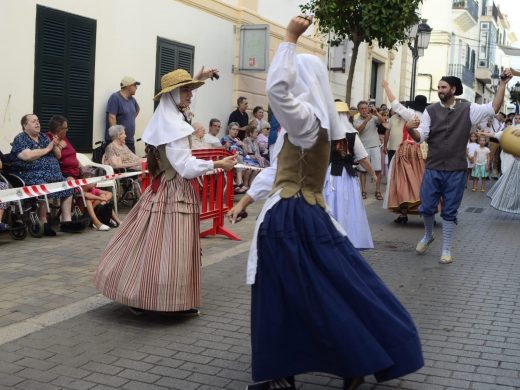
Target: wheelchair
<point>130,189</point>
<point>22,216</point>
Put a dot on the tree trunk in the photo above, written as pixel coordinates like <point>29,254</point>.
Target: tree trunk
<point>352,67</point>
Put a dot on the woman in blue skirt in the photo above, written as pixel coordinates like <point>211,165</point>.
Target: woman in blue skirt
<point>316,305</point>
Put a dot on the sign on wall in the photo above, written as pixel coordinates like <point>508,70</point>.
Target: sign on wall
<point>254,47</point>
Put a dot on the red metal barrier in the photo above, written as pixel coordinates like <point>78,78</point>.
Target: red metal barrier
<point>145,177</point>
<point>216,194</point>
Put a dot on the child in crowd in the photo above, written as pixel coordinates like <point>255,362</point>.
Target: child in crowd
<point>482,163</point>
<point>470,153</point>
<point>94,198</point>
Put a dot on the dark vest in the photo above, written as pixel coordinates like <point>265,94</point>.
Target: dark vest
<point>164,164</point>
<point>338,162</point>
<point>448,138</point>
<point>303,170</point>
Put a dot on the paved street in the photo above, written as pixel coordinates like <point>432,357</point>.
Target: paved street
<point>57,333</point>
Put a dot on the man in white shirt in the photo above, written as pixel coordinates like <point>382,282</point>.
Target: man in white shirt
<point>366,125</point>
<point>211,137</point>
<point>446,126</point>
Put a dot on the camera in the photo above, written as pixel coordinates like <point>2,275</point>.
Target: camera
<point>503,77</point>
<point>215,75</point>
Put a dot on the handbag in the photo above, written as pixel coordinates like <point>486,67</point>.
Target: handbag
<point>104,213</point>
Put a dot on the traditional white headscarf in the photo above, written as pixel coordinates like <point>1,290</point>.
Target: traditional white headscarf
<point>167,123</point>
<point>312,86</point>
<point>343,118</point>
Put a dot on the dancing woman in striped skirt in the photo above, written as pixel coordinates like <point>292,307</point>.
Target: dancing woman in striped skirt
<point>154,260</point>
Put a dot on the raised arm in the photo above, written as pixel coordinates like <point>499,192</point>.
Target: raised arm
<point>388,91</point>
<point>295,116</point>
<point>499,95</point>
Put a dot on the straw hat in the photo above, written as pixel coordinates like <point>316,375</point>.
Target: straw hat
<point>176,79</point>
<point>342,107</point>
<point>510,141</point>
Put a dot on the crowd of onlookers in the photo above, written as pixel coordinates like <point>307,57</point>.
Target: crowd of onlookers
<point>381,132</point>
<point>39,158</point>
<point>247,138</point>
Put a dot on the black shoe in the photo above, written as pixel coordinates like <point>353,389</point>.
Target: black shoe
<point>284,383</point>
<point>136,311</point>
<point>352,383</point>
<point>71,227</point>
<point>113,224</point>
<point>47,230</point>
<point>401,219</point>
<point>185,313</point>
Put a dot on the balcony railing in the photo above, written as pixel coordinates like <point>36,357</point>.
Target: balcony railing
<point>491,10</point>
<point>462,72</point>
<point>469,5</point>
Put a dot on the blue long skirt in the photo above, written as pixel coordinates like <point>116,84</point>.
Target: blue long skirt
<point>317,306</point>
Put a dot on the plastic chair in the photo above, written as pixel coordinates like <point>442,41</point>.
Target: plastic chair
<point>86,162</point>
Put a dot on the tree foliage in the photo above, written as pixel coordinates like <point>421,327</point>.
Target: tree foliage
<point>381,21</point>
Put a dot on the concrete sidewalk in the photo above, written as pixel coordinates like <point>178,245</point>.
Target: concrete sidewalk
<point>467,313</point>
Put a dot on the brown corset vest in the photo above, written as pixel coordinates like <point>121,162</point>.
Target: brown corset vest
<point>303,170</point>
<point>164,164</point>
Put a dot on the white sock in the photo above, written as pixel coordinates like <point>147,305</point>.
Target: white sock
<point>448,228</point>
<point>428,228</point>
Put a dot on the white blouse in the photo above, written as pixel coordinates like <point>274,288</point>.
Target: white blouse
<point>181,159</point>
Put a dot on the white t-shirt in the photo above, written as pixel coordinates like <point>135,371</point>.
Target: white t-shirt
<point>472,147</point>
<point>481,155</point>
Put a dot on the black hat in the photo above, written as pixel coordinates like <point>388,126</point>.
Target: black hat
<point>419,103</point>
<point>454,82</point>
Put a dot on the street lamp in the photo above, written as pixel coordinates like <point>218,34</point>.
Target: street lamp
<point>420,35</point>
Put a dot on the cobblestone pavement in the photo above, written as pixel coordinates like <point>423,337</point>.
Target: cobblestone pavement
<point>468,313</point>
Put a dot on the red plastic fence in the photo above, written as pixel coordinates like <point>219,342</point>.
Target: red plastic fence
<point>215,196</point>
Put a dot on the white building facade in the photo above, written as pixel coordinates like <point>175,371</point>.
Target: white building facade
<point>465,42</point>
<point>66,57</point>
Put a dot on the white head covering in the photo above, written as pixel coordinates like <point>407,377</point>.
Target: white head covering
<point>167,123</point>
<point>343,118</point>
<point>312,86</point>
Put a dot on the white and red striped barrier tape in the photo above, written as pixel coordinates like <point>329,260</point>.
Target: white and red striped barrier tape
<point>44,189</point>
<point>32,191</point>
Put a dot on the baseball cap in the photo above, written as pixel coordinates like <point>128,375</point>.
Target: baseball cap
<point>129,80</point>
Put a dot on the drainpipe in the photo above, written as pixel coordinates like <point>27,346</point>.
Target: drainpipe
<point>431,84</point>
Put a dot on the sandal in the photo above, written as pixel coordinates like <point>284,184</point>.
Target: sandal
<point>379,196</point>
<point>364,195</point>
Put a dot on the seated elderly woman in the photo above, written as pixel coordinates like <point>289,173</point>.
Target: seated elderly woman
<point>117,154</point>
<point>197,139</point>
<point>65,152</point>
<point>37,164</point>
<point>234,145</point>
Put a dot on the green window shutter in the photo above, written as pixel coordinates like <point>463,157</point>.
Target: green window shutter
<point>64,72</point>
<point>170,56</point>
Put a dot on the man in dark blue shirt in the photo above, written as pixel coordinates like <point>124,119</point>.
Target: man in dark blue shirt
<point>122,109</point>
